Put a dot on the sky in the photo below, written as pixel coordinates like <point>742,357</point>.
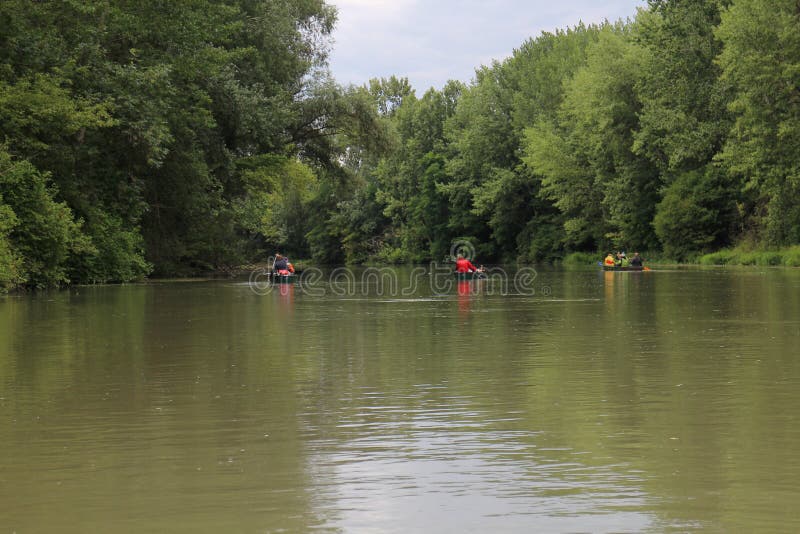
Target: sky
<point>432,41</point>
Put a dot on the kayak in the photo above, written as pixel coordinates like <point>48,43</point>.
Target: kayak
<point>469,276</point>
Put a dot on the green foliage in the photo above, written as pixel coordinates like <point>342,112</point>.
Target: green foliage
<point>139,112</point>
<point>791,256</point>
<point>787,257</point>
<point>581,259</point>
<point>606,193</point>
<point>346,155</point>
<point>179,137</point>
<point>275,204</point>
<point>36,111</point>
<point>698,212</point>
<point>721,257</point>
<point>567,183</point>
<point>363,225</point>
<point>392,256</point>
<point>411,180</point>
<point>116,254</point>
<point>41,234</point>
<point>390,93</point>
<point>761,61</point>
<point>482,144</point>
<point>10,262</point>
<point>684,120</point>
<point>537,70</point>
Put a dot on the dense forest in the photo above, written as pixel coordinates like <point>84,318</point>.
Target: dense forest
<point>143,137</point>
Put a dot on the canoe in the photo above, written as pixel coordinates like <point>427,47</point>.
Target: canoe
<point>628,268</point>
<point>276,278</point>
<point>469,276</point>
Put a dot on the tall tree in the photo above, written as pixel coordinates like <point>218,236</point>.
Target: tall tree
<point>524,222</point>
<point>684,120</point>
<point>139,110</point>
<point>761,60</point>
<point>590,171</point>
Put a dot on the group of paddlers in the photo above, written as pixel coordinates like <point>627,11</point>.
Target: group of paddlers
<point>621,260</point>
<point>282,266</point>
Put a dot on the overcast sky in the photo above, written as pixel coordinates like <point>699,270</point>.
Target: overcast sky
<point>432,41</point>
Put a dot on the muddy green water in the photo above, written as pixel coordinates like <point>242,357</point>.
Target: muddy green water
<point>665,401</point>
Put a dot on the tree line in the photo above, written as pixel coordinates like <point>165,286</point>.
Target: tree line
<point>160,138</point>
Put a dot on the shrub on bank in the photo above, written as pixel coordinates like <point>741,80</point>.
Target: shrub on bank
<point>392,256</point>
<point>10,263</point>
<point>789,257</point>
<point>582,258</point>
<point>39,230</point>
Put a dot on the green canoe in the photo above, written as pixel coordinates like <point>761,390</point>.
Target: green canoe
<point>628,268</point>
<point>469,276</point>
<point>276,278</point>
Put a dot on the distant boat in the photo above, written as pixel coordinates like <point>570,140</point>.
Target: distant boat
<point>627,268</point>
<point>469,276</point>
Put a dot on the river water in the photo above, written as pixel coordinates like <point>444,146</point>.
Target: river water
<point>564,401</point>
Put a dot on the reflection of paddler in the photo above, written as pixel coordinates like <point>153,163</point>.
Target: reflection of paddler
<point>609,286</point>
<point>464,288</point>
<point>286,292</point>
<point>464,293</point>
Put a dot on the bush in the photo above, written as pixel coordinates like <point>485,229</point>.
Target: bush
<point>582,258</point>
<point>696,213</point>
<point>791,257</point>
<point>392,256</point>
<point>10,263</point>
<point>746,258</point>
<point>722,257</point>
<point>117,254</point>
<point>770,259</point>
<point>46,233</point>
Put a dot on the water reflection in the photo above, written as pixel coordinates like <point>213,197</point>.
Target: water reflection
<point>660,401</point>
<point>445,467</point>
<point>286,292</point>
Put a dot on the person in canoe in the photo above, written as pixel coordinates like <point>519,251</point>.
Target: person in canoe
<point>636,260</point>
<point>609,261</point>
<point>463,265</point>
<point>282,265</point>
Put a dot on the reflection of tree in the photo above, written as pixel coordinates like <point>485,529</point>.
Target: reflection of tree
<point>164,402</point>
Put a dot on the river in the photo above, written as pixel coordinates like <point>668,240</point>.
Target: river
<point>394,401</point>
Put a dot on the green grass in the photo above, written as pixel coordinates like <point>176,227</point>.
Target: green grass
<point>582,258</point>
<point>788,257</point>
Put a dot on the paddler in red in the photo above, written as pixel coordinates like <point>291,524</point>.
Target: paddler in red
<point>463,265</point>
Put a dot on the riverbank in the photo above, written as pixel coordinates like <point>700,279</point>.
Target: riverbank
<point>785,257</point>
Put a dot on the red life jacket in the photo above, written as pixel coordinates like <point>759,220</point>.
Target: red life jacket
<point>463,265</point>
